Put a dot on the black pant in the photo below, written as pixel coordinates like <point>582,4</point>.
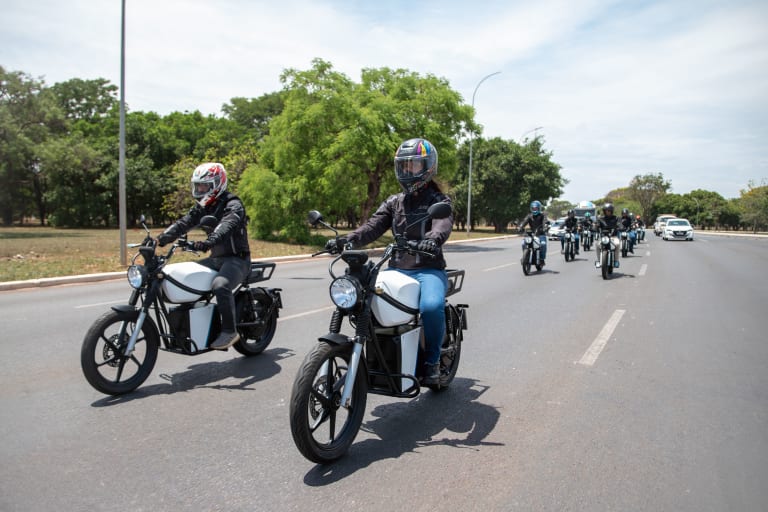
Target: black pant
<point>232,271</point>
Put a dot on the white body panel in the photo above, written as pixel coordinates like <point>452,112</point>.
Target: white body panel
<point>403,288</point>
<point>200,324</point>
<point>190,274</point>
<point>409,351</point>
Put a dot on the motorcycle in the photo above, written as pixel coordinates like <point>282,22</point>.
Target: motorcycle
<point>120,349</point>
<point>569,247</point>
<point>605,260</point>
<point>624,238</point>
<point>384,354</point>
<point>587,238</point>
<point>640,234</point>
<point>531,252</point>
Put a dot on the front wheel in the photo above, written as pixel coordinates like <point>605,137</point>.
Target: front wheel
<point>257,324</point>
<point>606,266</point>
<point>526,261</point>
<point>322,429</point>
<point>102,357</point>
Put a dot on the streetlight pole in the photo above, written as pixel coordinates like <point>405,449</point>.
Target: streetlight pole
<point>534,130</point>
<point>471,136</point>
<point>121,153</point>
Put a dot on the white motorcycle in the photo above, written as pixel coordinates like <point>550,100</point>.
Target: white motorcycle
<point>120,349</point>
<point>382,356</point>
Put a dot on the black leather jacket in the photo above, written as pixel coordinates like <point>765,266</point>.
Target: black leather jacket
<point>230,237</point>
<point>571,223</point>
<point>399,211</point>
<point>537,222</point>
<point>611,223</point>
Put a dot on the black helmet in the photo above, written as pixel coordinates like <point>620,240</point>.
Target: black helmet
<point>625,211</point>
<point>415,164</point>
<point>607,207</point>
<point>571,213</point>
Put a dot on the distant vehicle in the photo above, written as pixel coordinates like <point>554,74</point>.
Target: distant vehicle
<point>556,229</point>
<point>678,229</point>
<point>658,226</point>
<point>583,208</point>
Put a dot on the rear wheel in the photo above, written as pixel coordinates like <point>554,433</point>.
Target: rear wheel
<point>103,359</point>
<point>256,337</point>
<point>450,352</point>
<point>322,429</point>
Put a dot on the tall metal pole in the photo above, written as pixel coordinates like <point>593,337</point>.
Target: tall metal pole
<point>471,136</point>
<point>121,163</point>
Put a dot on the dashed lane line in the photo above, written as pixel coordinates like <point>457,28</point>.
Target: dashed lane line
<point>594,350</point>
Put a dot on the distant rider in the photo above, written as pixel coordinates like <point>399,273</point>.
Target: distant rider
<point>572,225</point>
<point>610,223</point>
<point>538,222</point>
<point>626,225</point>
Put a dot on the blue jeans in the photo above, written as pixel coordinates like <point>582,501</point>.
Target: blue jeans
<point>632,239</point>
<point>542,247</point>
<point>434,286</point>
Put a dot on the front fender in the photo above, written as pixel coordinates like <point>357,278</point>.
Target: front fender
<point>335,338</point>
<point>126,311</point>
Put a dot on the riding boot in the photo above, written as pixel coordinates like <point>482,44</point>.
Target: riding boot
<point>229,336</point>
<point>431,374</point>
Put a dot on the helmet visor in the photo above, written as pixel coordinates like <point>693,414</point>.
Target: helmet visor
<point>201,188</point>
<point>410,167</point>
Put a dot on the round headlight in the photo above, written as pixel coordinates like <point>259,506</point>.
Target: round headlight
<point>605,240</point>
<point>528,239</point>
<point>345,292</point>
<point>136,276</point>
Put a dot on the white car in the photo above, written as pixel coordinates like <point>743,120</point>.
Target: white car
<point>678,229</point>
<point>661,220</point>
<point>556,229</point>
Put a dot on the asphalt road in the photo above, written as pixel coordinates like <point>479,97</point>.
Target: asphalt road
<point>645,392</point>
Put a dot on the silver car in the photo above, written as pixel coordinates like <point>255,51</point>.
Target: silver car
<point>556,229</point>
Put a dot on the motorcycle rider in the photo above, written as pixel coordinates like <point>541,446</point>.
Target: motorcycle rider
<point>610,222</point>
<point>640,225</point>
<point>626,223</point>
<point>572,224</point>
<point>228,242</point>
<point>415,168</point>
<point>539,224</point>
<point>586,224</point>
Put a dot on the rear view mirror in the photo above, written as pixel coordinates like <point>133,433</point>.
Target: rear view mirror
<point>439,211</point>
<point>314,217</point>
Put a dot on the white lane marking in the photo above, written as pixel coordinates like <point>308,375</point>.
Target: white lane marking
<point>643,268</point>
<point>101,304</point>
<point>648,253</point>
<point>298,315</point>
<point>500,266</point>
<point>593,352</point>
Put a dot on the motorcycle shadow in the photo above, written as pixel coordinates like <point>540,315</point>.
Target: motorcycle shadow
<point>402,427</point>
<point>247,371</point>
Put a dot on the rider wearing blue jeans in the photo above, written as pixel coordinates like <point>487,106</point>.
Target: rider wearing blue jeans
<point>537,220</point>
<point>626,223</point>
<point>415,168</point>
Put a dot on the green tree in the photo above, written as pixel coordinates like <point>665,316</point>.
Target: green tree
<point>646,189</point>
<point>558,208</point>
<point>754,206</point>
<point>29,115</point>
<point>331,147</point>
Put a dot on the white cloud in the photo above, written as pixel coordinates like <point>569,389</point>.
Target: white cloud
<point>620,88</point>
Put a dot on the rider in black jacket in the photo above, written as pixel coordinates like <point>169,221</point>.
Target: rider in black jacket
<point>610,223</point>
<point>571,224</point>
<point>228,242</point>
<point>626,223</point>
<point>539,224</point>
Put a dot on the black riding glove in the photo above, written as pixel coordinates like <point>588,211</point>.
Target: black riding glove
<point>336,245</point>
<point>427,245</point>
<point>201,246</point>
<point>164,239</point>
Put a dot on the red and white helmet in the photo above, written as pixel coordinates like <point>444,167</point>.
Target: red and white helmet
<point>209,181</point>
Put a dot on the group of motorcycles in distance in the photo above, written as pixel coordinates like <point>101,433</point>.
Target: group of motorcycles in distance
<point>585,236</point>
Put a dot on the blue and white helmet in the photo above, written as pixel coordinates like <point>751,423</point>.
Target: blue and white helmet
<point>536,207</point>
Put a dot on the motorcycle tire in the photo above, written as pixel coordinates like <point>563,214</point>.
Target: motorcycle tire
<point>255,339</point>
<point>526,261</point>
<point>624,253</point>
<point>450,352</point>
<point>102,359</point>
<point>322,429</point>
<point>606,267</point>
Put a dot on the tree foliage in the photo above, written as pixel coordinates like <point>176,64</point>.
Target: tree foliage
<point>646,189</point>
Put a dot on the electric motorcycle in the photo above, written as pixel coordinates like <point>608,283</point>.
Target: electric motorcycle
<point>384,354</point>
<point>170,309</point>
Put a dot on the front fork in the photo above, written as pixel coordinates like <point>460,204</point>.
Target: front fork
<point>148,299</point>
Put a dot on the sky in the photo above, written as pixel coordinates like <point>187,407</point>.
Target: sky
<point>615,88</point>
